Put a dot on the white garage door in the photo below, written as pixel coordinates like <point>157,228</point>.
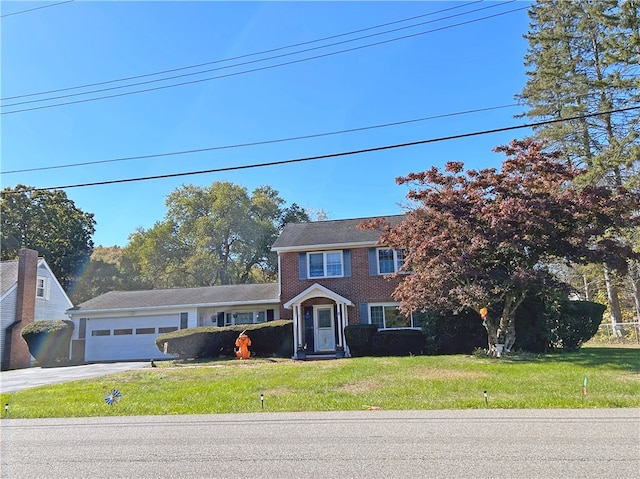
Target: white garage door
<point>127,339</point>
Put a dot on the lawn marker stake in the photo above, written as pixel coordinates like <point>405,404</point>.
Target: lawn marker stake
<point>486,399</point>
<point>6,409</point>
<point>584,388</point>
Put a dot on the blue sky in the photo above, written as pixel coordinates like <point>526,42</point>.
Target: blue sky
<point>446,66</point>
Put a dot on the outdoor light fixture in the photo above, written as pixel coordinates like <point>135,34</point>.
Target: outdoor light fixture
<point>486,399</point>
<point>262,400</point>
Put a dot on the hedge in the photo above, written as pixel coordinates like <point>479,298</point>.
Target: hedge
<point>358,338</point>
<point>49,341</point>
<point>397,342</point>
<point>274,338</point>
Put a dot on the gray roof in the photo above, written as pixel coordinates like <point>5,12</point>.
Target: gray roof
<point>329,233</point>
<point>204,296</point>
<point>8,275</point>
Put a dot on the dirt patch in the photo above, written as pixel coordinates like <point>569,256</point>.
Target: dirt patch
<point>429,374</point>
<point>362,386</point>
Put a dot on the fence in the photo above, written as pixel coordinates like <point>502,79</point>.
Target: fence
<point>621,332</point>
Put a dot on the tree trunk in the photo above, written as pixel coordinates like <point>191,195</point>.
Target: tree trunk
<point>634,278</point>
<point>587,292</point>
<point>507,329</point>
<point>612,295</point>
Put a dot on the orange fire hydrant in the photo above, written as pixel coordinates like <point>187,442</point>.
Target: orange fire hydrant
<point>242,346</point>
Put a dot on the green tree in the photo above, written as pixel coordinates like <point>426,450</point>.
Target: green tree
<point>210,235</point>
<point>49,222</point>
<point>584,57</point>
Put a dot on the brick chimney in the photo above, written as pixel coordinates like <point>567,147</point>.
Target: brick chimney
<point>16,353</point>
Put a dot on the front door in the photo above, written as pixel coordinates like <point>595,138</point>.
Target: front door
<point>325,334</point>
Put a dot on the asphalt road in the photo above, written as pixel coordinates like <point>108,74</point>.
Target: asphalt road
<point>19,379</point>
<point>487,443</point>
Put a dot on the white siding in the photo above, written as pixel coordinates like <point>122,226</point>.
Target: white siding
<point>127,347</point>
<point>7,313</point>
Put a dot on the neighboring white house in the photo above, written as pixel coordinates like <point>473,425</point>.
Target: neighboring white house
<point>51,302</point>
<point>123,325</point>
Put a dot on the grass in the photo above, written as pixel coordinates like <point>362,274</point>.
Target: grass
<point>418,382</point>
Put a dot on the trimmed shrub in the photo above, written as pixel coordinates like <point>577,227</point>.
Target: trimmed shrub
<point>358,338</point>
<point>448,333</point>
<point>49,341</point>
<point>578,323</point>
<point>397,342</point>
<point>274,338</point>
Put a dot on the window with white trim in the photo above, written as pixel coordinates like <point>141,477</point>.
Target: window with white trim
<point>42,288</point>
<point>245,317</point>
<point>326,264</point>
<point>388,316</point>
<point>389,260</point>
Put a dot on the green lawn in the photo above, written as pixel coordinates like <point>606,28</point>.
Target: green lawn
<point>419,382</point>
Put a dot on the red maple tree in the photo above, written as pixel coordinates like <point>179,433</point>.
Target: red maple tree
<point>485,239</point>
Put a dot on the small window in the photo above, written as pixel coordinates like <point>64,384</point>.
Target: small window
<point>325,265</point>
<point>261,316</point>
<point>167,329</point>
<point>42,288</point>
<point>101,332</point>
<point>389,260</point>
<point>122,332</point>
<point>145,330</point>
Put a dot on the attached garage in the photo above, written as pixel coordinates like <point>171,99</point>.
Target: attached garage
<point>123,325</point>
<point>118,339</point>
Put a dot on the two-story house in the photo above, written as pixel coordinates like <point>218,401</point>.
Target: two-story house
<point>332,274</point>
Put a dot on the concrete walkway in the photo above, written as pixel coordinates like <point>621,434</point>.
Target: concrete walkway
<point>19,379</point>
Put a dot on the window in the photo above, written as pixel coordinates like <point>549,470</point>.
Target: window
<point>42,288</point>
<point>167,329</point>
<point>389,260</point>
<point>122,332</point>
<point>145,330</point>
<point>325,265</point>
<point>101,332</point>
<point>245,317</point>
<point>387,316</point>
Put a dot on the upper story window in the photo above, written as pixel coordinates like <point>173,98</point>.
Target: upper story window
<point>325,265</point>
<point>389,260</point>
<point>42,288</point>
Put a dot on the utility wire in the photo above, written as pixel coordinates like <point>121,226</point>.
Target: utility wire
<point>35,8</point>
<point>250,62</point>
<point>256,143</point>
<point>259,68</point>
<point>272,50</point>
<point>331,155</point>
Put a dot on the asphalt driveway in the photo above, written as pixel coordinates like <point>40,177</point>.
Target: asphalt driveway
<point>19,379</point>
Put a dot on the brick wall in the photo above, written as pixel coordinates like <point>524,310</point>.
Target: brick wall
<point>16,350</point>
<point>360,287</point>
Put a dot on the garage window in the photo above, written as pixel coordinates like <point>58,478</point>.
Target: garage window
<point>122,332</point>
<point>167,329</point>
<point>101,332</point>
<point>145,330</point>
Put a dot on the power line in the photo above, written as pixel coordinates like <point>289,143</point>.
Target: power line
<point>331,155</point>
<point>35,8</point>
<point>250,62</point>
<point>257,143</point>
<point>272,50</point>
<point>268,67</point>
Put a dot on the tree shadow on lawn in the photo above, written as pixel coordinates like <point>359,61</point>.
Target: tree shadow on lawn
<point>609,358</point>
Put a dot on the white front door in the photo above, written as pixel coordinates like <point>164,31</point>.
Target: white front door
<point>324,328</point>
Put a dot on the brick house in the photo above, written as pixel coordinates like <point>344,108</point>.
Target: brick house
<point>332,274</point>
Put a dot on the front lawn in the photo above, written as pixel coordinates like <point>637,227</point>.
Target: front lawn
<point>418,382</point>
